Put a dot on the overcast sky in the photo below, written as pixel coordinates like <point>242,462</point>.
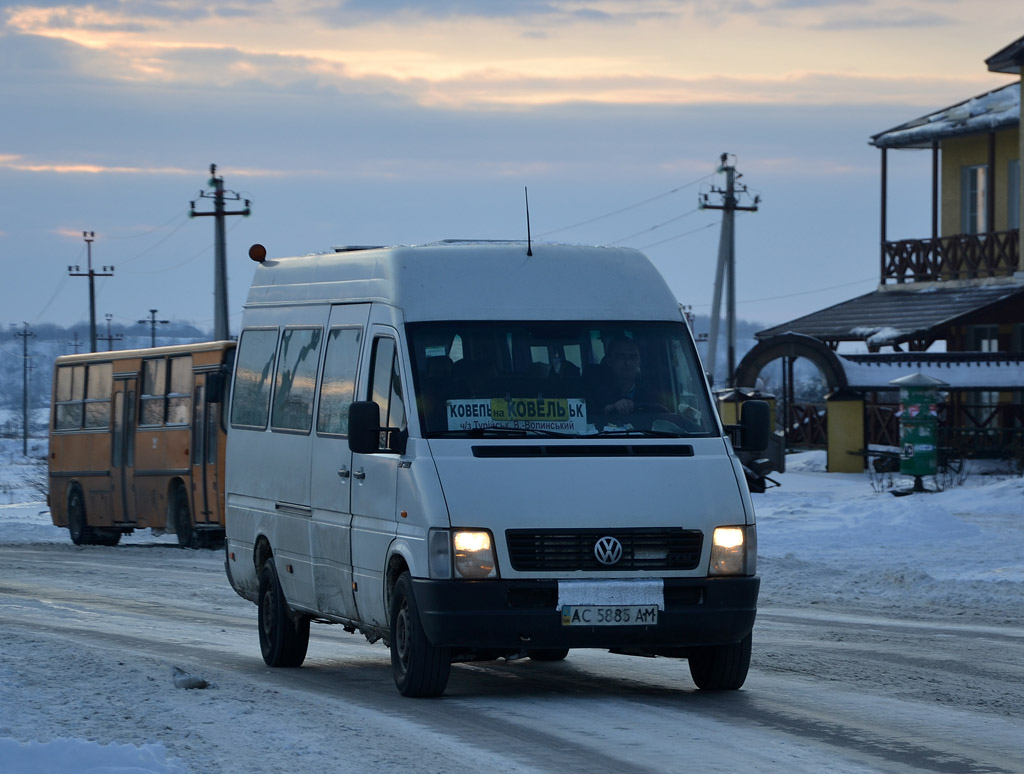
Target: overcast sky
<point>405,121</point>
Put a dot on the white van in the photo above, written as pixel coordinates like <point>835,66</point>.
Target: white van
<point>475,450</point>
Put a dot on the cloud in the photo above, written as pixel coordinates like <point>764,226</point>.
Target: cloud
<point>904,18</point>
<point>18,163</point>
<point>526,12</point>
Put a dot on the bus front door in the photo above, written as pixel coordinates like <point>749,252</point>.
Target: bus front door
<point>205,438</point>
<point>122,454</point>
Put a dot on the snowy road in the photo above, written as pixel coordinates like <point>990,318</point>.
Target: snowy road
<point>89,636</point>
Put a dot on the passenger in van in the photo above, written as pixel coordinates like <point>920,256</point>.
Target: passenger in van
<point>620,389</point>
<point>560,367</point>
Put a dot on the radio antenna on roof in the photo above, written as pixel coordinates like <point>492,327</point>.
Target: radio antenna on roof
<point>529,242</point>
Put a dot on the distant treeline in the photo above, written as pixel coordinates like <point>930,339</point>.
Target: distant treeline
<point>49,341</point>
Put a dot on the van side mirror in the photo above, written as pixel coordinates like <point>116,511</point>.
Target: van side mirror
<point>364,427</point>
<point>754,429</point>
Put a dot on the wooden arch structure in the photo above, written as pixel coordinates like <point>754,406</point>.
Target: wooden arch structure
<point>791,345</point>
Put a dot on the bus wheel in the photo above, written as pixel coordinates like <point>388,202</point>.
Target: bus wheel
<point>722,667</point>
<point>419,669</point>
<point>182,518</point>
<point>548,654</point>
<point>107,537</point>
<point>283,640</point>
<point>81,533</point>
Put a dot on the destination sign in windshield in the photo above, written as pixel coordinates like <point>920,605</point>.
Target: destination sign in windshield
<point>568,415</point>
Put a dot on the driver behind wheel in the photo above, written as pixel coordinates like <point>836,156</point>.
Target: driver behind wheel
<point>622,391</point>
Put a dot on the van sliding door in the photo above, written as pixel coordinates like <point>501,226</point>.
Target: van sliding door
<point>331,483</point>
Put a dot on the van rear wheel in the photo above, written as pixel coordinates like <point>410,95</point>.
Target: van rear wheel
<point>721,667</point>
<point>420,669</point>
<point>283,638</point>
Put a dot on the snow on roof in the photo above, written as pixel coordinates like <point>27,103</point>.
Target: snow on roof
<point>868,374</point>
<point>989,112</point>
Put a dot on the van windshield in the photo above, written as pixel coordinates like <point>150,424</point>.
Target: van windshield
<point>558,378</point>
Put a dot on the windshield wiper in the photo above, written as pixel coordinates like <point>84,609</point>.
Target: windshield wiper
<point>622,432</point>
<point>481,432</point>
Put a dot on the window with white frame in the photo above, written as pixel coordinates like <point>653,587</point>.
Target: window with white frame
<point>972,199</point>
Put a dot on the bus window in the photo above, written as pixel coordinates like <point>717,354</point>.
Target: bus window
<point>69,397</point>
<point>99,383</point>
<point>180,387</point>
<point>154,383</point>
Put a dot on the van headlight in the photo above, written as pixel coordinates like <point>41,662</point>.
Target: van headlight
<point>474,554</point>
<point>729,550</point>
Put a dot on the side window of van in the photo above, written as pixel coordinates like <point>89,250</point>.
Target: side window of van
<point>338,387</point>
<point>296,379</point>
<point>254,368</point>
<point>386,388</point>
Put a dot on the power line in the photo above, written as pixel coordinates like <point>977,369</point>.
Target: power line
<point>172,266</point>
<point>801,292</point>
<point>151,248</point>
<point>627,208</point>
<point>60,287</point>
<point>146,233</point>
<point>656,226</point>
<point>680,236</point>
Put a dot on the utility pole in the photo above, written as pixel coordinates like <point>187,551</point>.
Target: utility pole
<point>25,335</point>
<point>110,338</point>
<point>220,270</point>
<point>152,326</point>
<point>75,271</point>
<point>76,344</point>
<point>726,267</point>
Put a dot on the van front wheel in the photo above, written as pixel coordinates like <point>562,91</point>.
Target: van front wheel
<point>722,667</point>
<point>420,669</point>
<point>283,641</point>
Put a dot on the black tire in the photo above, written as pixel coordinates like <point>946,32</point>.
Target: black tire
<point>283,638</point>
<point>183,528</point>
<point>548,654</point>
<point>420,670</point>
<point>107,537</point>
<point>78,524</point>
<point>722,667</point>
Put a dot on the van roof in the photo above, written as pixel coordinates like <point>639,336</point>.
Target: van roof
<point>475,280</point>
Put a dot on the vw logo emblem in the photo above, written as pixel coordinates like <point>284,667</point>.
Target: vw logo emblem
<point>608,550</point>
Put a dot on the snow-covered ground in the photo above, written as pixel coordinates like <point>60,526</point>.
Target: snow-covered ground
<point>840,543</point>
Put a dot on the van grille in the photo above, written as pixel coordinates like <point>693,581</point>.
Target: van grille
<point>642,549</point>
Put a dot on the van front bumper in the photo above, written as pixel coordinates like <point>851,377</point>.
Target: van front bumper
<point>523,614</point>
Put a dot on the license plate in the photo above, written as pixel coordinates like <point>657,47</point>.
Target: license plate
<point>609,615</point>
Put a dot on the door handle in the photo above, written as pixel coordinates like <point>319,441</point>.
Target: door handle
<point>360,474</point>
<point>343,472</point>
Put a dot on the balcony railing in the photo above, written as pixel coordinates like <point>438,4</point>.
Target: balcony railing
<point>961,256</point>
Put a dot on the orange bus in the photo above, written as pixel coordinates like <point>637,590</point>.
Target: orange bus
<point>137,441</point>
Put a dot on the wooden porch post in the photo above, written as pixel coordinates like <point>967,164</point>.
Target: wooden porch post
<point>935,192</point>
<point>990,190</point>
<point>881,275</point>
